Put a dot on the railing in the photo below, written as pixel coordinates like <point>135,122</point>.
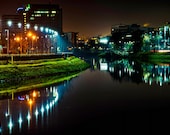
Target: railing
<point>12,57</point>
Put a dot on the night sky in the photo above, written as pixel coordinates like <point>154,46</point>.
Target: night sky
<point>95,17</point>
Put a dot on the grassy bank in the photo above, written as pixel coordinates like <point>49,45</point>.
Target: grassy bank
<point>152,57</point>
<point>24,75</point>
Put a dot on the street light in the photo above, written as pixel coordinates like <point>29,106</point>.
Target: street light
<point>9,24</point>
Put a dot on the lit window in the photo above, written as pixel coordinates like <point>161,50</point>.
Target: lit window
<point>53,12</point>
<point>52,15</point>
<point>31,18</point>
<point>41,12</point>
<point>37,15</point>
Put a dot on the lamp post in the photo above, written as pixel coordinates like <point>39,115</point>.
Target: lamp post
<point>7,38</point>
<point>9,24</point>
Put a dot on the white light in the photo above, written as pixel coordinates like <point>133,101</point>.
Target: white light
<point>28,26</point>
<point>19,25</point>
<point>104,40</point>
<point>42,109</point>
<point>36,112</point>
<point>35,27</point>
<point>9,23</point>
<point>20,120</point>
<point>6,114</point>
<point>28,116</point>
<point>56,33</point>
<point>46,30</point>
<point>10,125</point>
<point>50,104</point>
<point>41,29</point>
<point>47,106</point>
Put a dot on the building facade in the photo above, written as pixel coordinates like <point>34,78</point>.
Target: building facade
<point>46,15</point>
<point>23,33</point>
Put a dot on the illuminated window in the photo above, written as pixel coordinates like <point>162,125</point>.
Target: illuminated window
<point>31,18</point>
<point>53,12</point>
<point>37,15</point>
<point>52,15</point>
<point>41,12</point>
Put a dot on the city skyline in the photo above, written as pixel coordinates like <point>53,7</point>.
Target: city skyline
<point>94,17</point>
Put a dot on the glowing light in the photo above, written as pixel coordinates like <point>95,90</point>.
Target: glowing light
<point>6,114</point>
<point>103,40</point>
<point>30,102</point>
<point>28,7</point>
<point>20,8</point>
<point>34,94</point>
<point>36,27</point>
<point>103,66</point>
<point>120,73</point>
<point>36,112</point>
<point>47,106</point>
<point>41,29</point>
<point>56,33</point>
<point>28,116</point>
<point>20,120</point>
<point>42,109</point>
<point>21,98</point>
<point>146,25</point>
<point>10,125</point>
<point>19,25</point>
<point>51,104</point>
<point>9,23</point>
<point>28,26</point>
<point>46,30</point>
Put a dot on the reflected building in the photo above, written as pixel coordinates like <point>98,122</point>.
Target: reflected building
<point>125,70</point>
<point>159,74</point>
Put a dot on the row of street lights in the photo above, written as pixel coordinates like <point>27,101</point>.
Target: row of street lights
<point>25,39</point>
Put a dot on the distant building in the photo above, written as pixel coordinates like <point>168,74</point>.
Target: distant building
<point>72,38</point>
<point>46,15</point>
<point>126,33</point>
<point>31,17</point>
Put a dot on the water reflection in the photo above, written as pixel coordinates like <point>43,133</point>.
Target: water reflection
<point>133,71</point>
<point>28,110</point>
<point>106,93</point>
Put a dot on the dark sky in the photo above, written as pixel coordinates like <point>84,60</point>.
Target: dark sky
<point>95,17</point>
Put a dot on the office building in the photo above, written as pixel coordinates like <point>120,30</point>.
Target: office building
<point>46,15</point>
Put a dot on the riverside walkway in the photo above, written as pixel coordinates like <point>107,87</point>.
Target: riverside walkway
<point>34,56</point>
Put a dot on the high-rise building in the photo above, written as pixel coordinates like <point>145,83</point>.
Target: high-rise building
<point>46,15</point>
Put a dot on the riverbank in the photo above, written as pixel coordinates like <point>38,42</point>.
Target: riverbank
<point>152,57</point>
<point>25,75</point>
<point>142,57</point>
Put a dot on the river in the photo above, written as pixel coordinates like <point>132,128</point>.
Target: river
<point>111,97</point>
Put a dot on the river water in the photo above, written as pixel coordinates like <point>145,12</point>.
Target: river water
<point>111,97</point>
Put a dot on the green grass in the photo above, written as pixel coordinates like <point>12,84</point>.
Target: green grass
<point>24,75</point>
<point>152,57</point>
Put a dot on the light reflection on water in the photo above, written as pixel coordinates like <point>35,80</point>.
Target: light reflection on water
<point>26,110</point>
<point>124,93</point>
